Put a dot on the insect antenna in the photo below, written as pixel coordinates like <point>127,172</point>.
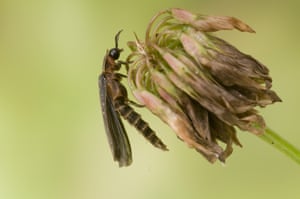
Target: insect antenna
<point>117,39</point>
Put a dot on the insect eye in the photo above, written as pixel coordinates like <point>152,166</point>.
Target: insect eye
<point>114,53</point>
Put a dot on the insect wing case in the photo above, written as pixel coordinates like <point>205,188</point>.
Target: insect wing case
<point>114,127</point>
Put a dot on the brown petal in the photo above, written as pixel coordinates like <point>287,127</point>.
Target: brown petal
<point>215,23</point>
<point>182,128</point>
<point>209,23</point>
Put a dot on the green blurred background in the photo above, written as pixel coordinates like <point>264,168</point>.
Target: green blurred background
<point>52,139</point>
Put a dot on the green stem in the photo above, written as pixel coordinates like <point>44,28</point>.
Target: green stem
<point>281,144</point>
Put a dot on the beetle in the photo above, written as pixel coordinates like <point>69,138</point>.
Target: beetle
<point>115,103</point>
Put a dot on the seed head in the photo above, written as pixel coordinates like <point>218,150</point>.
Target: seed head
<point>197,83</point>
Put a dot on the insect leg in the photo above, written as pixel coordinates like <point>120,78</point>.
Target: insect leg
<point>135,104</point>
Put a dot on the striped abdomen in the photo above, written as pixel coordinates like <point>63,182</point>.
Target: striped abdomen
<point>135,119</point>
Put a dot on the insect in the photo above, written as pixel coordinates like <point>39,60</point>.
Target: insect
<point>115,103</point>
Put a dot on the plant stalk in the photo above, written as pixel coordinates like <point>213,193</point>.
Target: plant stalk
<point>281,144</point>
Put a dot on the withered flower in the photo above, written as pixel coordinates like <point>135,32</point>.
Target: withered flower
<point>197,83</point>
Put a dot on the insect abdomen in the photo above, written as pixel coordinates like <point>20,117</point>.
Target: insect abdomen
<point>135,119</point>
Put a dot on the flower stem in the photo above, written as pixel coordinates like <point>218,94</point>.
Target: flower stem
<point>281,144</point>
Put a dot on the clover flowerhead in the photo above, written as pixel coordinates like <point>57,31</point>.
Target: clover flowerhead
<point>200,85</point>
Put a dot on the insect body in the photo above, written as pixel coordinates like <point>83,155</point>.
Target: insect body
<point>115,102</point>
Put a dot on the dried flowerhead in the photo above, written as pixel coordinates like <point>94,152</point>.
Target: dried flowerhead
<point>197,83</point>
